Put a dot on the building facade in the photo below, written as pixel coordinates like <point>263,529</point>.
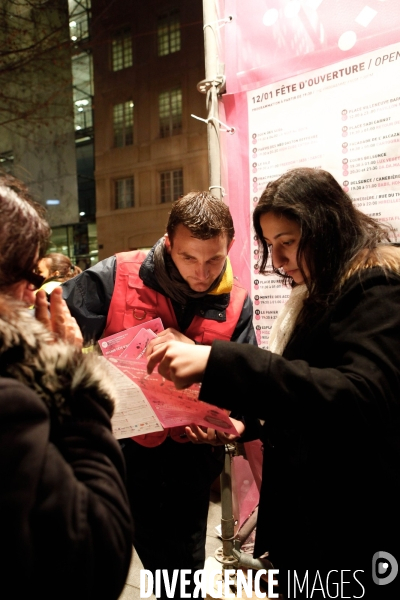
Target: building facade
<point>147,60</point>
<point>46,132</point>
<point>37,141</point>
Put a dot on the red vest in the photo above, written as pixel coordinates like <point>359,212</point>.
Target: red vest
<point>133,302</point>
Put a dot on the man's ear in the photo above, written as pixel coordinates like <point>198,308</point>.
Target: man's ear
<point>167,243</point>
<point>230,244</point>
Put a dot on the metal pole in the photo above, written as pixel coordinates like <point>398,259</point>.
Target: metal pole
<point>225,554</point>
<point>212,86</point>
<point>227,519</point>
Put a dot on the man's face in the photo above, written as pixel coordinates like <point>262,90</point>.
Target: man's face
<point>198,261</point>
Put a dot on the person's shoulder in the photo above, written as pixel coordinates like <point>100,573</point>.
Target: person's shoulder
<point>376,282</point>
<point>16,396</point>
<point>238,288</point>
<point>103,265</point>
<point>382,263</point>
<point>239,296</point>
<point>375,275</point>
<point>132,256</point>
<point>50,286</point>
<point>99,274</point>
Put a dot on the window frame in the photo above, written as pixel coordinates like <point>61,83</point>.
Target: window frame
<point>118,197</point>
<point>175,190</point>
<point>170,124</point>
<point>126,124</point>
<point>169,39</point>
<point>121,49</point>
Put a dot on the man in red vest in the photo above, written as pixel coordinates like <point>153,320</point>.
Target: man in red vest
<point>186,279</point>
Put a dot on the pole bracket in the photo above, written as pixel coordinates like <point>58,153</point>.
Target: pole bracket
<point>219,82</point>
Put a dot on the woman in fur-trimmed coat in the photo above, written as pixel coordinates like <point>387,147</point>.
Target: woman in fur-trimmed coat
<point>65,526</point>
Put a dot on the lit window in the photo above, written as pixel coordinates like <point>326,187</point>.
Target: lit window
<point>82,78</point>
<point>79,28</point>
<point>171,185</point>
<point>170,112</point>
<point>124,193</point>
<point>168,33</point>
<point>123,124</point>
<point>79,19</point>
<point>122,50</point>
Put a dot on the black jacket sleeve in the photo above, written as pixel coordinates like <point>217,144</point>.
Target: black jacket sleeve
<point>244,331</point>
<point>65,519</point>
<point>345,368</point>
<point>88,297</point>
<point>244,334</point>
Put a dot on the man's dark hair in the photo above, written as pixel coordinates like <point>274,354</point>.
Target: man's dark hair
<point>204,215</point>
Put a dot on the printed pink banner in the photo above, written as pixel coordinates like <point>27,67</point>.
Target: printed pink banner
<point>310,83</point>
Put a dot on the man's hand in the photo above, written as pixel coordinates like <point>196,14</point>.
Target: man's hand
<point>198,435</point>
<point>59,321</point>
<point>181,363</point>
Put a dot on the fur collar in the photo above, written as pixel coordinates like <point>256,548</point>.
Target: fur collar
<point>386,256</point>
<point>59,373</point>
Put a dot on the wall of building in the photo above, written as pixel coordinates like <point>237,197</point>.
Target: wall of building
<point>36,125</point>
<point>140,226</point>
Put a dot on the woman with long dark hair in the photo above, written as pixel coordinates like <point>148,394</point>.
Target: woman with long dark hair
<point>330,392</point>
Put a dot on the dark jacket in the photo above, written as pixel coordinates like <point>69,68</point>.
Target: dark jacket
<point>331,406</point>
<point>89,295</point>
<point>65,525</point>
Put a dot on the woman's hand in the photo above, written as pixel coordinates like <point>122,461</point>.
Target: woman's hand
<point>59,320</point>
<point>181,363</point>
<point>199,435</point>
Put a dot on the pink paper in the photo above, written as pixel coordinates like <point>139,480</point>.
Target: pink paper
<point>174,407</point>
<point>114,345</point>
<point>136,349</point>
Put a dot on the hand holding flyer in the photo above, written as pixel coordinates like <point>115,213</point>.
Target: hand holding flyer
<point>173,407</point>
<point>116,344</point>
<point>137,347</point>
<point>151,403</point>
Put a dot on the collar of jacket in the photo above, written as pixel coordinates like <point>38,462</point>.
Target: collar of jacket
<point>58,372</point>
<point>386,256</point>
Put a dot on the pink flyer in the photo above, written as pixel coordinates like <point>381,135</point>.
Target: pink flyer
<point>115,344</point>
<point>136,349</point>
<point>171,406</point>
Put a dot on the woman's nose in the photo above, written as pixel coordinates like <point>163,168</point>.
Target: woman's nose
<point>278,258</point>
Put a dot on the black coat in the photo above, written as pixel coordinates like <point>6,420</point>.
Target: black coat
<point>65,525</point>
<point>331,405</point>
